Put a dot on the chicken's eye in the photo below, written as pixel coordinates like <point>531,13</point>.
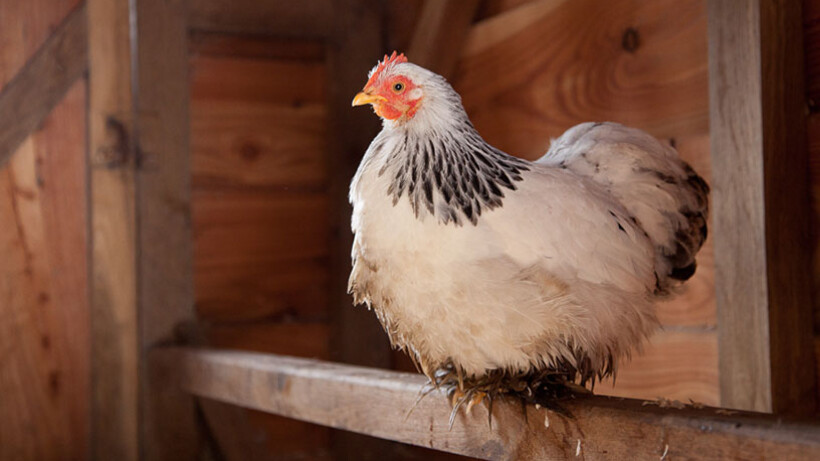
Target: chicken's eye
<point>398,87</point>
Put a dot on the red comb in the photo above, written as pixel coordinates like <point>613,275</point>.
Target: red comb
<point>387,61</point>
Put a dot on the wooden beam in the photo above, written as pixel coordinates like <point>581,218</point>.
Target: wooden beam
<point>37,88</point>
<point>760,202</point>
<point>165,260</point>
<point>113,297</point>
<point>140,231</point>
<point>441,31</point>
<point>305,18</point>
<point>378,403</point>
<point>355,46</point>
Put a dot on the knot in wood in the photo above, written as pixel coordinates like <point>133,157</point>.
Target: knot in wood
<point>630,40</point>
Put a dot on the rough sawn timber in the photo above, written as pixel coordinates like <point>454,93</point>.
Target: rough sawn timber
<point>31,95</point>
<point>376,402</point>
<point>760,203</point>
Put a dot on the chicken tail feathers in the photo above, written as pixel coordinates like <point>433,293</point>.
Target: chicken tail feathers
<point>664,195</point>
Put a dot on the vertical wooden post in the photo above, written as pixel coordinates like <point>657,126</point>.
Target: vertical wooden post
<point>140,225</point>
<point>760,203</point>
<point>113,294</point>
<point>355,45</point>
<point>165,258</point>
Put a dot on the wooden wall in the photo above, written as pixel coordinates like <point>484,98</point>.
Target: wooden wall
<point>260,208</point>
<point>43,297</point>
<point>259,124</point>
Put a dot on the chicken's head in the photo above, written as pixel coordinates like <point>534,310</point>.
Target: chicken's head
<point>391,90</point>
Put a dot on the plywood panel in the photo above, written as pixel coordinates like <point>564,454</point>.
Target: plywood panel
<point>525,77</point>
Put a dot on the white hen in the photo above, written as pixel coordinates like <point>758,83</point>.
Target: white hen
<point>483,263</point>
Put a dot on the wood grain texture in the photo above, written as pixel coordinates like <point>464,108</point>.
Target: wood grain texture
<point>114,329</point>
<point>31,95</point>
<point>760,206</point>
<point>43,297</point>
<point>44,346</point>
<point>375,402</point>
<point>524,78</point>
<point>440,33</point>
<point>678,365</point>
<point>306,18</point>
<point>272,146</point>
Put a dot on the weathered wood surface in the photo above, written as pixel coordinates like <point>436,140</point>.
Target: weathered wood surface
<point>165,263</point>
<point>377,402</point>
<point>140,221</point>
<point>440,33</point>
<point>43,279</point>
<point>44,349</point>
<point>38,87</point>
<point>304,18</point>
<point>761,206</point>
<point>114,330</point>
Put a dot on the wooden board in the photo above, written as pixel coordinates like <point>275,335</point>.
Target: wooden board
<point>43,300</point>
<point>168,428</point>
<point>524,78</point>
<point>29,97</point>
<point>43,297</point>
<point>113,266</point>
<point>306,18</point>
<point>273,146</point>
<point>761,206</point>
<point>377,402</point>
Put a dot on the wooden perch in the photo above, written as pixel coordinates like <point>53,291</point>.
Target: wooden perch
<point>30,96</point>
<point>378,403</point>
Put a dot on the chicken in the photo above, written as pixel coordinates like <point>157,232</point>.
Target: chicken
<point>494,272</point>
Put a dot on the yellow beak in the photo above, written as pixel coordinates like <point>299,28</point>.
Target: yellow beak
<point>363,98</point>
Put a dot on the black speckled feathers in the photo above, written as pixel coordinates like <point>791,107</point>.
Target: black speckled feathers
<point>454,176</point>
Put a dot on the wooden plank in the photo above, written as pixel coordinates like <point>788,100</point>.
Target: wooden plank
<point>306,18</point>
<point>37,88</point>
<point>811,36</point>
<point>377,402</point>
<point>813,135</point>
<point>354,48</point>
<point>260,145</point>
<point>530,73</point>
<point>165,242</point>
<point>761,206</point>
<point>113,297</point>
<point>215,44</point>
<point>141,244</point>
<point>236,228</point>
<point>43,298</point>
<point>440,33</point>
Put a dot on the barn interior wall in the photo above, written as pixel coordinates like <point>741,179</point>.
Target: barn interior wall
<point>259,123</point>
